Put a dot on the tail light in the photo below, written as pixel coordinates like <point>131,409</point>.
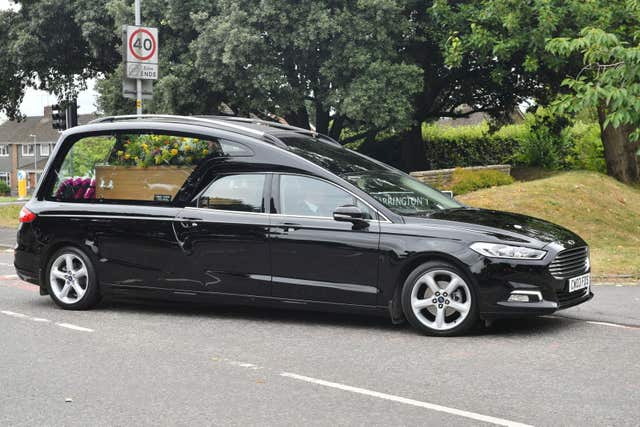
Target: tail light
<point>26,215</point>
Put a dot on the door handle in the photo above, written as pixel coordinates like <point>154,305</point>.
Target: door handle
<point>289,226</point>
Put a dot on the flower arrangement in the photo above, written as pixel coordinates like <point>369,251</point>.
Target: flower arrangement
<point>76,189</point>
<point>155,150</point>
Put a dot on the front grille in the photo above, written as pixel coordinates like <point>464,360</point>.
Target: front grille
<point>570,263</point>
<point>566,298</point>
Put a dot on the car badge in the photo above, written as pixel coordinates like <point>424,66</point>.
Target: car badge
<point>571,242</point>
<point>517,227</point>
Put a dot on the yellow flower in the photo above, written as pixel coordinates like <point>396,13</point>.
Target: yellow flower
<point>174,152</point>
<point>144,146</point>
<point>120,152</point>
<point>127,156</point>
<point>205,151</point>
<point>187,147</point>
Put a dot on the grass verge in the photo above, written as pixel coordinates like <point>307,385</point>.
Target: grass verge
<point>603,211</point>
<point>9,215</point>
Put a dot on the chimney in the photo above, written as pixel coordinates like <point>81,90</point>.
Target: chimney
<point>47,112</point>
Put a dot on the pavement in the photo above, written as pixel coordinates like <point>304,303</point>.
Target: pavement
<point>151,363</point>
<point>7,237</point>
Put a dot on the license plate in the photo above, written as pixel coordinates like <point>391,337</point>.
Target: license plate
<point>580,282</point>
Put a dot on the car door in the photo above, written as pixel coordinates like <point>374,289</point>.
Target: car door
<point>313,256</point>
<point>223,236</point>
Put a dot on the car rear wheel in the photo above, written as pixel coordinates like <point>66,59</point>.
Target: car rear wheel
<point>437,299</point>
<point>72,280</point>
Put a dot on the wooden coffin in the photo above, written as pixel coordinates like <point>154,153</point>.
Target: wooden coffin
<point>153,183</point>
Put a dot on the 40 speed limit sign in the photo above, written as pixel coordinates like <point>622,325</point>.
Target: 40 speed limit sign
<point>142,53</point>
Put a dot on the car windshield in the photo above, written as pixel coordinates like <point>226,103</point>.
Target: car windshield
<point>401,193</point>
<point>397,191</point>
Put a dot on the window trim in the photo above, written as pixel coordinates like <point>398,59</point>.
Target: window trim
<point>48,150</point>
<point>6,150</point>
<point>33,153</point>
<point>275,195</point>
<point>8,177</point>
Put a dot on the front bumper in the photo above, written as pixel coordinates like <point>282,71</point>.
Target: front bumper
<point>498,280</point>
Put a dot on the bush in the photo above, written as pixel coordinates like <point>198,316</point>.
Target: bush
<point>544,140</point>
<point>587,151</point>
<point>547,143</point>
<point>466,181</point>
<point>470,145</point>
<point>4,188</point>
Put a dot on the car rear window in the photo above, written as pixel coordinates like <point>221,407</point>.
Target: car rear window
<point>134,167</point>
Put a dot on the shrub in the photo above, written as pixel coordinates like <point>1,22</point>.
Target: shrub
<point>466,181</point>
<point>471,145</point>
<point>587,151</point>
<point>4,188</point>
<point>547,142</point>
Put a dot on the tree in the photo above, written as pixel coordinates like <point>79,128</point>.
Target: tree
<point>54,45</point>
<point>487,56</point>
<point>610,83</point>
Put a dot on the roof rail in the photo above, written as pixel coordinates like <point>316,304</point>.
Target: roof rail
<point>279,126</point>
<point>194,119</point>
<point>265,123</point>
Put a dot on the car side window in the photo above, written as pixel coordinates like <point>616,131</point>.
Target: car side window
<point>242,192</point>
<point>306,196</point>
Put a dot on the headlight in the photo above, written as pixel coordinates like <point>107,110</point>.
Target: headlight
<point>498,250</point>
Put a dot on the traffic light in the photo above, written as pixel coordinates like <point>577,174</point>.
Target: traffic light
<point>72,114</point>
<point>58,117</point>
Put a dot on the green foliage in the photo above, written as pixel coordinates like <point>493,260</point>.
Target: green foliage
<point>469,145</point>
<point>85,154</point>
<point>4,188</point>
<point>547,142</point>
<point>610,77</point>
<point>466,181</point>
<point>587,151</point>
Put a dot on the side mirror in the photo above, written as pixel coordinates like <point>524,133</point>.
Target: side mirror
<point>448,193</point>
<point>350,213</point>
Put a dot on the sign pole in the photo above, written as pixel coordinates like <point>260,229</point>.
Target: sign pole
<point>138,81</point>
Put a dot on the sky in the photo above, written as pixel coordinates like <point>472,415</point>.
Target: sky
<point>35,100</point>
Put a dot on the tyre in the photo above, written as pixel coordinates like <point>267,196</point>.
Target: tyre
<point>439,299</point>
<point>71,279</point>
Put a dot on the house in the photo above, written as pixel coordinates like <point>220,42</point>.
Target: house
<point>26,145</point>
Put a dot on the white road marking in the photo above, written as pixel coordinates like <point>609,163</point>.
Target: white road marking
<point>9,250</point>
<point>43,320</point>
<point>595,322</point>
<point>614,325</point>
<point>74,327</point>
<point>9,276</point>
<point>12,314</point>
<point>406,401</point>
<point>6,264</point>
<point>243,364</point>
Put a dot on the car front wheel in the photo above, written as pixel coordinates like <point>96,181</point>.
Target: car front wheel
<point>437,299</point>
<point>72,280</point>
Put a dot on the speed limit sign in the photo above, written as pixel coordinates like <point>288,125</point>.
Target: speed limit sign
<point>142,52</point>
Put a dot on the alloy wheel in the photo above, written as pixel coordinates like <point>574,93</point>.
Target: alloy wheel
<point>441,299</point>
<point>69,278</point>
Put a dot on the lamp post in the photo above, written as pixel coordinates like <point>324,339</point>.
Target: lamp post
<point>35,159</point>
